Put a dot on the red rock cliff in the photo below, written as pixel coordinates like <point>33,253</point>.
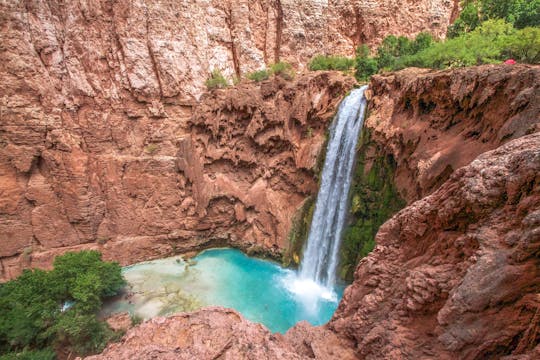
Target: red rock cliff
<point>96,119</point>
<point>141,187</point>
<point>454,274</point>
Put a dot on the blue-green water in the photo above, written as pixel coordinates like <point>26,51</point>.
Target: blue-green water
<point>261,290</point>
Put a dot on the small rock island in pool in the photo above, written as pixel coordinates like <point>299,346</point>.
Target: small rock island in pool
<point>261,290</point>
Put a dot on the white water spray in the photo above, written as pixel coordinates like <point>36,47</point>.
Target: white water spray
<point>321,256</point>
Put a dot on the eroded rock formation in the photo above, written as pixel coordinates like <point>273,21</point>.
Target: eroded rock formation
<point>233,173</point>
<point>96,105</point>
<point>422,126</point>
<point>455,274</point>
<point>432,123</point>
<point>217,333</point>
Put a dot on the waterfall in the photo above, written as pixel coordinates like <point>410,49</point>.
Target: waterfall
<point>321,255</point>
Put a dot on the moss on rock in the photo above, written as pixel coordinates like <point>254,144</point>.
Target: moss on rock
<point>299,232</point>
<point>374,199</point>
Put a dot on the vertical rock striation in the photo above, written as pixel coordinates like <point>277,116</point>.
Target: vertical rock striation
<point>96,116</point>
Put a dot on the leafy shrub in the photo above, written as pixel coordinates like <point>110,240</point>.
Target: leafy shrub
<point>525,46</point>
<point>151,148</point>
<point>365,66</point>
<point>519,13</point>
<point>32,305</point>
<point>491,42</point>
<point>283,69</point>
<point>468,20</point>
<point>45,354</point>
<point>259,75</point>
<point>323,62</point>
<point>216,80</point>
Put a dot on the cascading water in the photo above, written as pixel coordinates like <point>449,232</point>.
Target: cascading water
<point>263,291</point>
<point>321,258</point>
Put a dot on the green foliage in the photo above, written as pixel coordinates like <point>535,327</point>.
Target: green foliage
<point>525,46</point>
<point>323,62</point>
<point>389,53</point>
<point>391,49</point>
<point>491,42</point>
<point>151,148</point>
<point>31,305</point>
<point>365,66</point>
<point>519,13</point>
<point>259,75</point>
<point>45,354</point>
<point>216,80</point>
<point>374,199</point>
<point>299,232</point>
<point>283,69</point>
<point>468,20</point>
<point>82,331</point>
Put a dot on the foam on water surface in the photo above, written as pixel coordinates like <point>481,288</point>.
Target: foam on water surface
<point>261,290</point>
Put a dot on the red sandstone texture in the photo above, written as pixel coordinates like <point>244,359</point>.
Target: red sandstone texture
<point>454,275</point>
<point>96,127</point>
<point>432,123</point>
<point>217,333</point>
<point>138,188</point>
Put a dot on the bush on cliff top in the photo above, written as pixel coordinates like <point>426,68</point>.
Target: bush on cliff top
<point>492,42</point>
<point>216,80</point>
<point>519,13</point>
<point>34,315</point>
<point>281,69</point>
<point>324,62</point>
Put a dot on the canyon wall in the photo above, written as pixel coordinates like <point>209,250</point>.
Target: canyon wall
<point>454,274</point>
<point>102,144</point>
<point>234,173</point>
<point>422,126</point>
<point>432,123</point>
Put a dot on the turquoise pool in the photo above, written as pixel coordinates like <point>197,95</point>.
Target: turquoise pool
<point>261,290</point>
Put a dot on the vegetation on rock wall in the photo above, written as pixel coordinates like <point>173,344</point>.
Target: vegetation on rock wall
<point>519,13</point>
<point>374,199</point>
<point>487,31</point>
<point>282,69</point>
<point>45,309</point>
<point>216,80</point>
<point>299,232</point>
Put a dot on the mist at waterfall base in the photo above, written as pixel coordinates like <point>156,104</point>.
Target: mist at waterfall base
<point>260,290</point>
<point>263,291</point>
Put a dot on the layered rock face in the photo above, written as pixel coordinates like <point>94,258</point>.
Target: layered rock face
<point>456,274</point>
<point>96,116</point>
<point>167,48</point>
<point>432,123</point>
<point>233,173</point>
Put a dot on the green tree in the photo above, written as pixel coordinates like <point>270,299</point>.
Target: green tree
<point>365,65</point>
<point>468,20</point>
<point>31,305</point>
<point>323,62</point>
